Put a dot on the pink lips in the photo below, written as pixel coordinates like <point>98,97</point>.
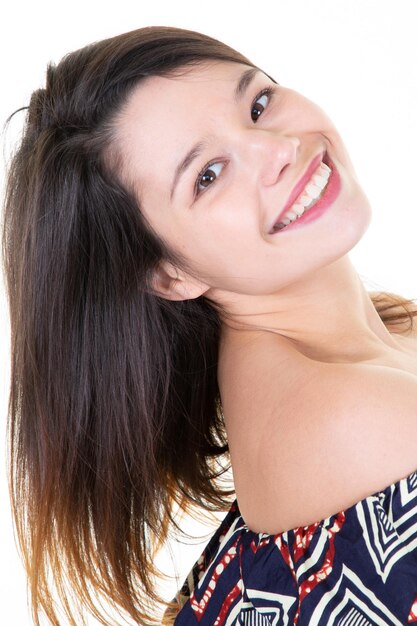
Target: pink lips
<point>300,186</point>
<point>326,200</point>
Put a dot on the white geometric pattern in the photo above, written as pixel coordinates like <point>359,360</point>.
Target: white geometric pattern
<point>355,595</point>
<point>274,610</point>
<point>354,617</point>
<point>251,617</point>
<point>381,531</point>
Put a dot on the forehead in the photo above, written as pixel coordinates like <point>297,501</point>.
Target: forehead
<point>158,95</point>
<point>165,115</point>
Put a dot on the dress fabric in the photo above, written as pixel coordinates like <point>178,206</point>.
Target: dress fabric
<point>355,568</point>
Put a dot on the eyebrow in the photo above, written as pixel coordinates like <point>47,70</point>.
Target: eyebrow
<point>244,81</point>
<point>242,86</point>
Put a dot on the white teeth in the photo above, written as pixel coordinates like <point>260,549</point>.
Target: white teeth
<point>298,208</point>
<point>308,196</point>
<point>304,200</point>
<point>313,191</point>
<point>320,181</point>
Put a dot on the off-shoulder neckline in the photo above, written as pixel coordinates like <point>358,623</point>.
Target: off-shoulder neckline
<point>398,485</point>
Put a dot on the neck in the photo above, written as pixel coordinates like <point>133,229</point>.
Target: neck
<point>328,315</point>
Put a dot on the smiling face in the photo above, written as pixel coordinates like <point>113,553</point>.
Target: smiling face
<point>214,155</point>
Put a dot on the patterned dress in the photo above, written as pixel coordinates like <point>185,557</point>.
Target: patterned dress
<point>355,568</point>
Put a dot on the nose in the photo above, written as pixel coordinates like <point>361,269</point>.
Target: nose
<point>273,152</point>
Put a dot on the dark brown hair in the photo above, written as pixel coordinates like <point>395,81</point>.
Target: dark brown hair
<point>114,412</point>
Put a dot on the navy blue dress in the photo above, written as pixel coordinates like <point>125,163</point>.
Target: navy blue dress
<point>355,568</point>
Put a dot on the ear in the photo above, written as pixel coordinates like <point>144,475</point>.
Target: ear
<point>168,282</point>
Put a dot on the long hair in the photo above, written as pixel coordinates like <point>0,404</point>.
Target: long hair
<point>115,416</point>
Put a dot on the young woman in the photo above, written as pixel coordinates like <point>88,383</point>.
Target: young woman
<point>176,238</point>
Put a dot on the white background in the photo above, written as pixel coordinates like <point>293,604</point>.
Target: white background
<point>356,58</point>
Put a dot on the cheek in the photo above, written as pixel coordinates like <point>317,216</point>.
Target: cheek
<point>309,117</point>
<point>222,241</point>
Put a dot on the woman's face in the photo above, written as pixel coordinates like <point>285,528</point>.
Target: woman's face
<point>214,168</point>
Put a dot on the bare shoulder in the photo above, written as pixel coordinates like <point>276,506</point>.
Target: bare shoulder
<point>309,439</point>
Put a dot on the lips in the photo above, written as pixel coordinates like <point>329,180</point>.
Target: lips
<point>298,188</point>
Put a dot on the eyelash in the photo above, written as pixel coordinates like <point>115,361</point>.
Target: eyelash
<point>268,91</point>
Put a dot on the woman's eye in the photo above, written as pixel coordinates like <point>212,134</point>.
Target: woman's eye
<point>259,105</point>
<point>208,176</point>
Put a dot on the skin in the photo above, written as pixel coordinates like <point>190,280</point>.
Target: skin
<point>261,279</point>
<point>298,284</point>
